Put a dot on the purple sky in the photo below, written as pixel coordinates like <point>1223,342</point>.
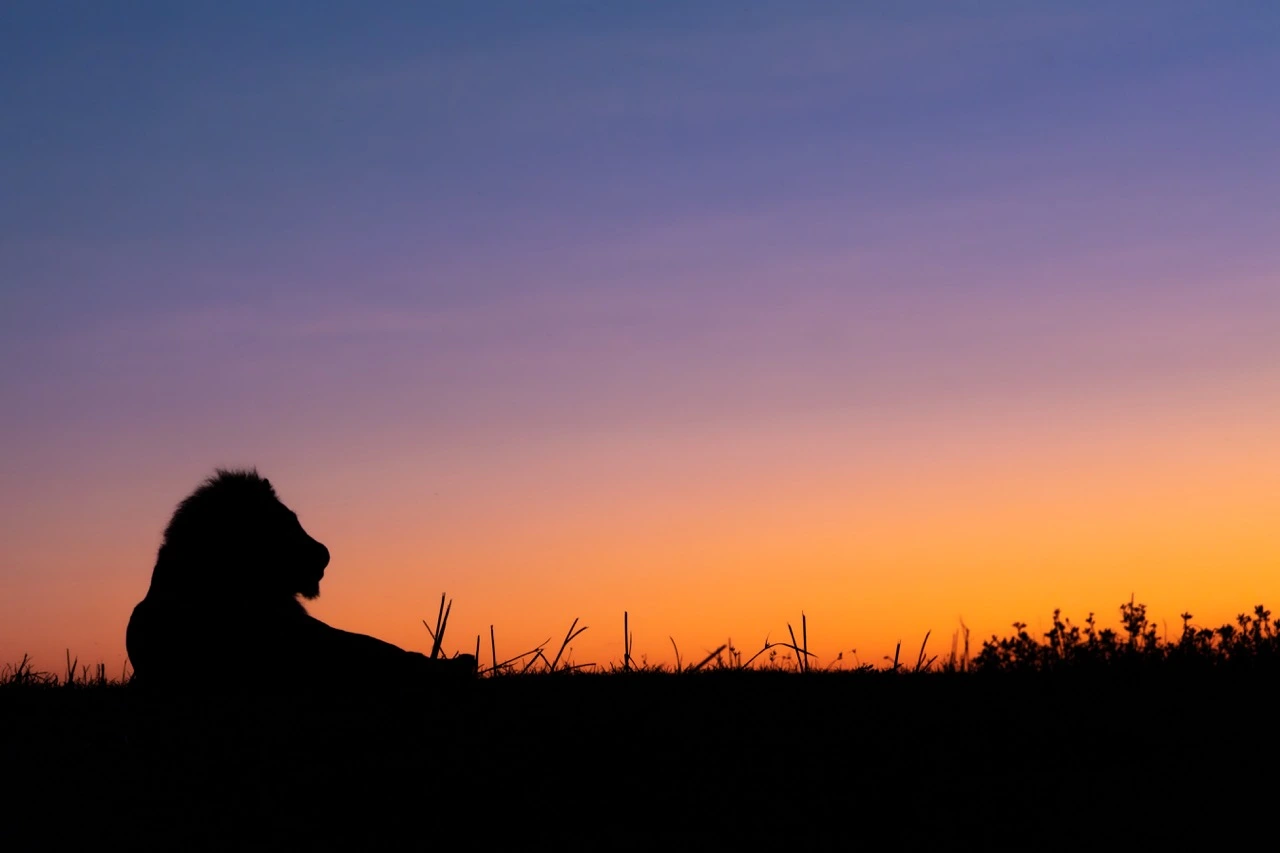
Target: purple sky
<point>593,193</point>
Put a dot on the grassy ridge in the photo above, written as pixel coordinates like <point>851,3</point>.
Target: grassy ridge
<point>735,757</point>
<point>1077,739</point>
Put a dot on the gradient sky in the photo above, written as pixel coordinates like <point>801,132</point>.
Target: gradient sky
<point>714,312</point>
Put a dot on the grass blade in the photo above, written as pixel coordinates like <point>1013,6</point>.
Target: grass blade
<point>920,659</point>
<point>709,658</point>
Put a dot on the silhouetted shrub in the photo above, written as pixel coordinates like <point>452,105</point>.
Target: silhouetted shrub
<point>1254,641</point>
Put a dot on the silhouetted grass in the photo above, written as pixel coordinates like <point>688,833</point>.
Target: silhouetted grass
<point>1252,642</point>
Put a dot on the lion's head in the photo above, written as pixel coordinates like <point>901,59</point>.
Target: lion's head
<point>233,535</point>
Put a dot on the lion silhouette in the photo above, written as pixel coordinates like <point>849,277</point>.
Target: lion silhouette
<point>223,607</point>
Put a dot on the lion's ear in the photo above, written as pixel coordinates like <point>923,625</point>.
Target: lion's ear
<point>267,483</point>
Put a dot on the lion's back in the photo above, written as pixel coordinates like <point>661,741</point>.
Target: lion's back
<point>186,641</point>
<point>168,642</point>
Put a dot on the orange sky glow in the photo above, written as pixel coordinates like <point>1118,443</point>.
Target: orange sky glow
<point>710,532</point>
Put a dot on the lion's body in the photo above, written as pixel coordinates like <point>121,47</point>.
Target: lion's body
<point>222,609</point>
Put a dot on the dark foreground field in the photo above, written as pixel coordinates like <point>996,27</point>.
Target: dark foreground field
<point>716,759</point>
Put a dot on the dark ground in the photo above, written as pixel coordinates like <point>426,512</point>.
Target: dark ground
<point>749,760</point>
